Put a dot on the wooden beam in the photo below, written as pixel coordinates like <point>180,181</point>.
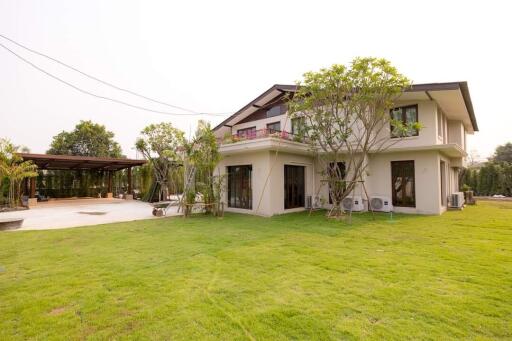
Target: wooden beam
<point>109,186</point>
<point>25,186</point>
<point>33,187</point>
<point>129,174</point>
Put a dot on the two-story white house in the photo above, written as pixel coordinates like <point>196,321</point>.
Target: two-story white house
<point>269,171</point>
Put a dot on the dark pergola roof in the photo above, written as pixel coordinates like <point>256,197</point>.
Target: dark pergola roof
<point>69,162</point>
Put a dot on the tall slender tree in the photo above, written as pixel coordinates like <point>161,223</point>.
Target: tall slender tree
<point>202,153</point>
<point>344,113</point>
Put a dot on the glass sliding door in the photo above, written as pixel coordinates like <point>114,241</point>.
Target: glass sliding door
<point>239,186</point>
<point>403,183</point>
<point>294,186</point>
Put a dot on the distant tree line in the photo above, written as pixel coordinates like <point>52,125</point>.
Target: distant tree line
<point>494,176</point>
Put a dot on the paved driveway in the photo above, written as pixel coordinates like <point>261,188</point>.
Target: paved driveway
<point>81,212</point>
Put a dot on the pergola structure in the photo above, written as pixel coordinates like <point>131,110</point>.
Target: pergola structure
<point>70,162</point>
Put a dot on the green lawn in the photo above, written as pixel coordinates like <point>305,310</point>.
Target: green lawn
<point>242,277</point>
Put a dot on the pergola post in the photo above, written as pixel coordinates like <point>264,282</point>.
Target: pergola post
<point>32,187</point>
<point>32,200</point>
<point>109,185</point>
<point>25,187</point>
<point>129,195</point>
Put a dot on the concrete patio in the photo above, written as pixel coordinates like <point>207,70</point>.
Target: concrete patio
<point>82,212</point>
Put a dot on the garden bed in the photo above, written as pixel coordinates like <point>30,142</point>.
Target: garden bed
<point>10,224</point>
<point>10,209</point>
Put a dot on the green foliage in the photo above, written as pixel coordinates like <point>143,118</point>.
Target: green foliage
<point>203,155</point>
<point>162,145</point>
<point>334,101</point>
<point>87,139</point>
<point>494,177</point>
<point>503,153</point>
<point>343,112</point>
<point>15,170</point>
<point>290,277</point>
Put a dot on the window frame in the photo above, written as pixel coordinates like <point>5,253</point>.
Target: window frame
<point>294,186</point>
<point>271,130</point>
<point>440,125</point>
<point>293,128</point>
<point>232,177</point>
<point>277,108</point>
<point>404,119</point>
<point>242,133</point>
<point>402,173</point>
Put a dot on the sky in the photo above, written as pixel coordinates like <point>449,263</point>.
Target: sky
<point>216,56</point>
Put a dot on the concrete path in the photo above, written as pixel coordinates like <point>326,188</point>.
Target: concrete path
<point>81,212</point>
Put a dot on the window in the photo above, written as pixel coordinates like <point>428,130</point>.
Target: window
<point>296,125</point>
<point>274,111</point>
<point>239,187</point>
<point>440,124</point>
<point>407,115</point>
<point>293,186</point>
<point>403,183</point>
<point>442,172</point>
<point>247,132</point>
<point>274,127</point>
<point>341,169</point>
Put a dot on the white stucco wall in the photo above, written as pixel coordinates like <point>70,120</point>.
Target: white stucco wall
<point>456,133</point>
<point>427,179</point>
<point>268,179</point>
<point>427,112</point>
<point>260,165</point>
<point>276,183</point>
<point>268,171</point>
<point>378,180</point>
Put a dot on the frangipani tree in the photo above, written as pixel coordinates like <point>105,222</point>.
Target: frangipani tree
<point>344,113</point>
<point>15,169</point>
<point>162,145</point>
<point>202,155</point>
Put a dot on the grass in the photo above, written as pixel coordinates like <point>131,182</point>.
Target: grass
<point>242,277</point>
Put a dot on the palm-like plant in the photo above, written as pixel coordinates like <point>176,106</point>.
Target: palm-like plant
<point>15,169</point>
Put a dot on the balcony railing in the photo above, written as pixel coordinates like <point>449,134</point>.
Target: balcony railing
<point>259,134</point>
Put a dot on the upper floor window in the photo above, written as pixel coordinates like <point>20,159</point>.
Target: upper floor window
<point>440,130</point>
<point>408,115</point>
<point>247,132</point>
<point>296,125</point>
<point>274,111</point>
<point>274,127</point>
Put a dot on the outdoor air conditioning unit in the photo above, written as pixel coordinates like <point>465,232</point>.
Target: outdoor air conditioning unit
<point>381,204</point>
<point>309,202</point>
<point>354,204</point>
<point>312,202</point>
<point>457,200</point>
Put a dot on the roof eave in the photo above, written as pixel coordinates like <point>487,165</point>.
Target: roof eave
<point>281,87</point>
<point>462,86</point>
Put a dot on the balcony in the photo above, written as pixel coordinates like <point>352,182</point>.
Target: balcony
<point>263,139</point>
<point>260,134</point>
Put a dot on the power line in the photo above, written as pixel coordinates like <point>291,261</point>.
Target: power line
<point>190,112</point>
